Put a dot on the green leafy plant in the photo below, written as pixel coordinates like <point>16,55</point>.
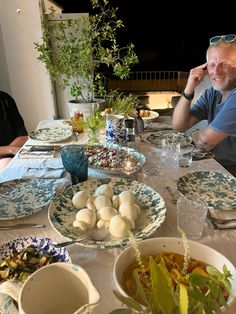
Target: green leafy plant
<point>194,292</point>
<point>78,50</point>
<point>120,103</point>
<point>93,124</point>
<point>94,121</point>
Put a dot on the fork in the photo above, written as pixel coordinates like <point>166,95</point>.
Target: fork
<point>66,243</point>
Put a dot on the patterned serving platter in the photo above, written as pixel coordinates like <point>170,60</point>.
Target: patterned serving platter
<point>43,245</point>
<point>217,188</point>
<point>51,134</point>
<point>182,138</point>
<point>24,197</point>
<point>62,212</point>
<point>110,158</point>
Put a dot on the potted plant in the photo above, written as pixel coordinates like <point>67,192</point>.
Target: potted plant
<point>78,51</point>
<point>119,106</point>
<point>121,103</point>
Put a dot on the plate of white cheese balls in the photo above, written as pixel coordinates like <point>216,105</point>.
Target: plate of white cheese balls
<point>104,212</point>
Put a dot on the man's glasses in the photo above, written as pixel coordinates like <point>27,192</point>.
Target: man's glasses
<point>226,38</point>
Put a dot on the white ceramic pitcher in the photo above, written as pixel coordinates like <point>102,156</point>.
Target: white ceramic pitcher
<point>61,288</point>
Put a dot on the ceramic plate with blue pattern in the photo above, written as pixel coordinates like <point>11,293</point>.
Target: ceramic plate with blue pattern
<point>176,137</point>
<point>51,134</point>
<point>153,212</point>
<point>111,158</point>
<point>217,188</point>
<point>24,197</point>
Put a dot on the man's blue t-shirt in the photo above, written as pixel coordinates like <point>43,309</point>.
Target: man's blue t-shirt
<point>221,117</point>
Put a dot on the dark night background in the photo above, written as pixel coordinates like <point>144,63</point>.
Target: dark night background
<point>166,37</point>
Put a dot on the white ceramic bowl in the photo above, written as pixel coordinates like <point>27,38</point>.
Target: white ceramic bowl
<point>154,246</point>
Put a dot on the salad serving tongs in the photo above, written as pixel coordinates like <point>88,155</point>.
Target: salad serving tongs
<point>22,226</point>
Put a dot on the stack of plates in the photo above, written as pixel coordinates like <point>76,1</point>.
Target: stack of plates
<point>218,189</point>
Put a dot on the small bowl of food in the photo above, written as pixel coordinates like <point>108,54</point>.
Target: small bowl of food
<point>19,258</point>
<point>165,265</point>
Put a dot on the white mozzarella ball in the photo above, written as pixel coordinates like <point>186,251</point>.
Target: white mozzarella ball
<point>129,210</point>
<point>106,213</point>
<point>80,198</point>
<point>119,227</point>
<point>116,201</point>
<point>131,221</point>
<point>102,224</point>
<point>88,216</point>
<point>102,201</point>
<point>104,189</point>
<point>90,204</point>
<point>81,225</point>
<point>126,196</point>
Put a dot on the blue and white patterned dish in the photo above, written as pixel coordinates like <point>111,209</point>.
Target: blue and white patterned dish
<point>62,212</point>
<point>119,153</point>
<point>44,245</point>
<point>51,134</point>
<point>24,197</point>
<point>218,189</point>
<point>177,137</point>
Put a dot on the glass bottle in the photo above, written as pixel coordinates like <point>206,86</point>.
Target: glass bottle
<point>139,123</point>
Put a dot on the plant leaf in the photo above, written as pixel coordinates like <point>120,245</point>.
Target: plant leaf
<point>183,299</point>
<point>162,287</point>
<point>131,303</point>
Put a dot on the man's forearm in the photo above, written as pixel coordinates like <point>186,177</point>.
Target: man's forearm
<point>181,115</point>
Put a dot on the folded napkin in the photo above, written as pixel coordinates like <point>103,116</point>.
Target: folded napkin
<point>226,225</point>
<point>46,173</point>
<point>222,219</point>
<point>223,214</point>
<point>54,163</point>
<point>35,168</point>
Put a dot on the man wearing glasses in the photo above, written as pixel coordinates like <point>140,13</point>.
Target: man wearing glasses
<point>217,105</point>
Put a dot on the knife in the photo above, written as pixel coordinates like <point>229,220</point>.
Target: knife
<point>22,226</point>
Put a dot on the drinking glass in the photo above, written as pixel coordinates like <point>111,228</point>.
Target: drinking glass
<point>186,155</point>
<point>75,161</point>
<point>191,215</point>
<point>170,150</point>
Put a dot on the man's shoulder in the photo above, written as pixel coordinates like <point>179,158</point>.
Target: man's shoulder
<point>5,96</point>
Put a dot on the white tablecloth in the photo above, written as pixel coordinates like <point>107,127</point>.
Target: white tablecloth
<point>99,263</point>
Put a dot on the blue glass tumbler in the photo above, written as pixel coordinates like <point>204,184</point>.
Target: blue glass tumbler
<point>75,161</point>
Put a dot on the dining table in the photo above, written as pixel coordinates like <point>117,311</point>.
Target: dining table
<point>99,262</point>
